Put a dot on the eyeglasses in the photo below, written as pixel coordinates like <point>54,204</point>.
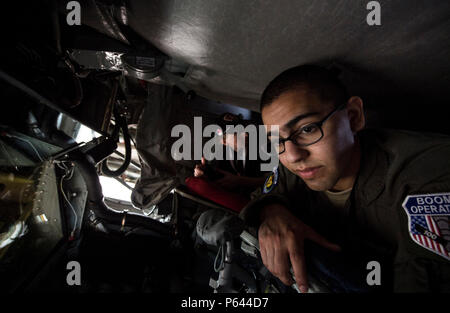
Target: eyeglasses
<point>308,134</point>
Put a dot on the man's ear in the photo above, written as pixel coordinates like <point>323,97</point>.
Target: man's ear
<point>355,111</point>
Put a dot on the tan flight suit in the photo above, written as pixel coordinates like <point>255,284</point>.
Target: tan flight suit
<point>373,224</point>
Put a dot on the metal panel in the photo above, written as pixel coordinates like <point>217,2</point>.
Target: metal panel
<point>30,222</point>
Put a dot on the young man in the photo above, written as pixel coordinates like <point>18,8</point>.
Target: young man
<point>229,181</point>
<point>244,174</point>
<point>346,189</point>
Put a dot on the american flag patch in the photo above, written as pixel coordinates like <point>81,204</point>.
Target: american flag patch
<point>429,221</point>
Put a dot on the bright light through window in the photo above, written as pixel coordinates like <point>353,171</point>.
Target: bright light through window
<point>86,134</point>
<point>115,190</point>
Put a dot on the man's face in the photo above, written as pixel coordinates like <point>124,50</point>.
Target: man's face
<point>236,141</point>
<point>321,165</point>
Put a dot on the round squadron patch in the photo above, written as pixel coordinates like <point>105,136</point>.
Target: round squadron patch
<point>271,181</point>
<point>428,221</point>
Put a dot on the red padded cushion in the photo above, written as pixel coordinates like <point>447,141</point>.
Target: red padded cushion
<point>217,194</point>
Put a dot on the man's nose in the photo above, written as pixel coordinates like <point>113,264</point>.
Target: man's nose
<point>295,153</point>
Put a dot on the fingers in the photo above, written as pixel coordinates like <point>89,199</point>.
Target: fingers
<point>282,266</point>
<point>274,254</point>
<point>198,172</point>
<point>297,259</point>
<point>203,161</point>
<point>312,235</point>
<point>263,252</point>
<point>281,239</point>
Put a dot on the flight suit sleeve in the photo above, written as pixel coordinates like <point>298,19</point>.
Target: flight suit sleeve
<point>278,188</point>
<point>401,196</point>
<point>422,262</point>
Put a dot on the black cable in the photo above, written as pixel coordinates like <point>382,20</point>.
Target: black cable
<point>121,124</point>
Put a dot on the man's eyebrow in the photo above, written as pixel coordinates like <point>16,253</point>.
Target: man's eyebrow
<point>295,120</point>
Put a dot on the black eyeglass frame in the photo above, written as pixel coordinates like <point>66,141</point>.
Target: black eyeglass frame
<point>319,124</point>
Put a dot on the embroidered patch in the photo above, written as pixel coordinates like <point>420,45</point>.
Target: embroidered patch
<point>271,181</point>
<point>428,221</point>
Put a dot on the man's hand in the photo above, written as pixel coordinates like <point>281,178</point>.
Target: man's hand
<point>281,241</point>
<point>199,169</point>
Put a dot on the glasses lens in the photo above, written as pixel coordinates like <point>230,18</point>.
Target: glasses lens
<point>279,148</point>
<point>308,134</point>
<point>305,136</point>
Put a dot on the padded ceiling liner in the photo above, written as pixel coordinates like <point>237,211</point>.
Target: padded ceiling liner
<point>233,48</point>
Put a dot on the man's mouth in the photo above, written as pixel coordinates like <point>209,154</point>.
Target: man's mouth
<point>308,173</point>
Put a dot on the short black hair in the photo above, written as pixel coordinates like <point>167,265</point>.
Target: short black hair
<point>228,119</point>
<point>321,81</point>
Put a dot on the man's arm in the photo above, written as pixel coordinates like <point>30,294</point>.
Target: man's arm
<point>281,240</point>
<point>281,234</point>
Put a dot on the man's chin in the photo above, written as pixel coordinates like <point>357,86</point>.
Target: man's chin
<point>317,185</point>
<point>316,188</point>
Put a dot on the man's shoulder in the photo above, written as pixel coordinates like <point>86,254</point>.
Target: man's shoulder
<point>398,163</point>
<point>409,152</point>
<point>407,167</point>
<point>404,141</point>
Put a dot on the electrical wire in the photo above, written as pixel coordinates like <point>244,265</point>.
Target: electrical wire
<point>67,176</point>
<point>27,141</point>
<point>8,155</point>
